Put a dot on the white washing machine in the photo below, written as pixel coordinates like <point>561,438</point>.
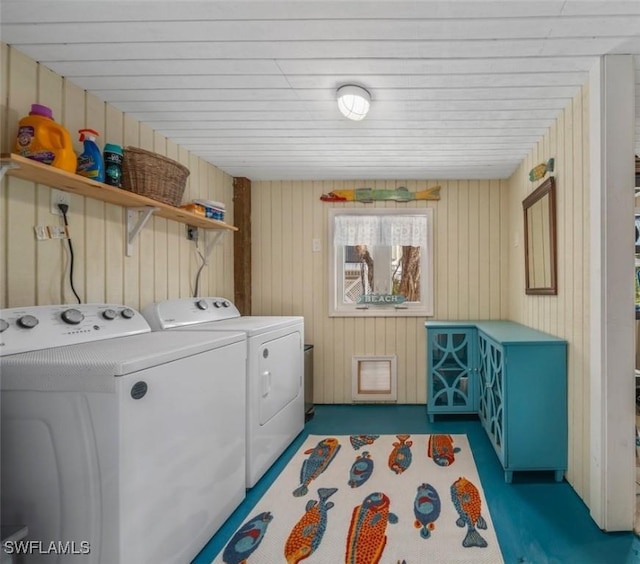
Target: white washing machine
<point>275,369</point>
<point>119,445</point>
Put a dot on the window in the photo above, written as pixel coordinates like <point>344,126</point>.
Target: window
<point>381,262</point>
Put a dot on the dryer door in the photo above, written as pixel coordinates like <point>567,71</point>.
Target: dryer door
<point>279,373</point>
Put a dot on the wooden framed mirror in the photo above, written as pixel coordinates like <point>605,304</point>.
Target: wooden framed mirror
<point>540,240</point>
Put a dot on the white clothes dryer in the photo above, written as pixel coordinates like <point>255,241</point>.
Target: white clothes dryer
<point>275,370</point>
<point>119,445</point>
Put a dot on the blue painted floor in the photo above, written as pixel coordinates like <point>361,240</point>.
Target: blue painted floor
<point>537,520</point>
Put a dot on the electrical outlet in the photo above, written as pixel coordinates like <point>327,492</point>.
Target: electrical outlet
<point>316,246</point>
<point>192,233</point>
<point>57,232</point>
<point>59,197</point>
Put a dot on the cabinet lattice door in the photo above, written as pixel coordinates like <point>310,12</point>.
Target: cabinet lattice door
<point>452,368</point>
<point>491,391</point>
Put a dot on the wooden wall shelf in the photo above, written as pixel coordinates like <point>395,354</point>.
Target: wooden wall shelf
<point>27,169</point>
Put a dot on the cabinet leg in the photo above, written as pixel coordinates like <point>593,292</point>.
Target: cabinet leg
<point>508,476</point>
<point>431,418</point>
<point>559,475</point>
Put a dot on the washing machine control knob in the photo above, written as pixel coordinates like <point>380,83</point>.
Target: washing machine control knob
<point>201,304</point>
<point>226,303</point>
<point>28,321</point>
<point>72,316</point>
<point>217,303</point>
<point>127,313</point>
<point>3,325</point>
<point>109,314</point>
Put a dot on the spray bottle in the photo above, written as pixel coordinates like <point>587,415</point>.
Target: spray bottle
<point>90,162</point>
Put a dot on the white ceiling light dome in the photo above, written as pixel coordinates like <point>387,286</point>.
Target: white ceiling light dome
<point>353,101</point>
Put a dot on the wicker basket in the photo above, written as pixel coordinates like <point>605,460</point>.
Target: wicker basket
<point>154,176</point>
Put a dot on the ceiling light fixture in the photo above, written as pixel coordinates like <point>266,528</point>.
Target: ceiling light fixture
<point>353,101</point>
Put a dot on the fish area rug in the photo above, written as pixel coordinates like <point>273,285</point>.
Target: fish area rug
<point>364,499</point>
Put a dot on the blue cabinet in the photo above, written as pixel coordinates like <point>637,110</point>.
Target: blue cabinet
<point>519,381</point>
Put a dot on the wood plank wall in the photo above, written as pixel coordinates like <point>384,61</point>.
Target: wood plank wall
<point>479,272</point>
<point>567,314</point>
<point>471,272</point>
<point>163,264</point>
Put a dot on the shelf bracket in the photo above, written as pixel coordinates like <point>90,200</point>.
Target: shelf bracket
<point>4,167</point>
<point>142,215</point>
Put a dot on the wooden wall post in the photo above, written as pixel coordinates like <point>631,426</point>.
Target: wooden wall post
<point>242,244</point>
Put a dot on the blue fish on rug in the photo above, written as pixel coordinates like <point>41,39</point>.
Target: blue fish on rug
<point>366,539</point>
<point>426,508</point>
<point>441,450</point>
<point>400,457</point>
<point>247,539</point>
<point>358,441</point>
<point>466,500</point>
<point>320,457</point>
<point>306,535</point>
<point>361,470</point>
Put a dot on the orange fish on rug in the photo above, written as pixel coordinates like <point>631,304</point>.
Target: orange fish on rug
<point>440,448</point>
<point>320,457</point>
<point>306,535</point>
<point>366,539</point>
<point>466,500</point>
<point>400,457</point>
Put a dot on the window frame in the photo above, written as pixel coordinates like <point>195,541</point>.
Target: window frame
<point>423,309</point>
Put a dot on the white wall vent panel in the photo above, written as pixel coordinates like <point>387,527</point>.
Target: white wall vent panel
<point>374,378</point>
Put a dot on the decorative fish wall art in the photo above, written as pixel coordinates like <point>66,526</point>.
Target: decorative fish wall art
<point>368,195</point>
<point>538,171</point>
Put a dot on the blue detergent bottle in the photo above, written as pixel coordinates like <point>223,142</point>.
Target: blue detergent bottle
<point>90,162</point>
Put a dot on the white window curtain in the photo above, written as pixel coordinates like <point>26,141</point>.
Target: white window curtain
<point>373,230</point>
<point>353,230</point>
<point>408,230</point>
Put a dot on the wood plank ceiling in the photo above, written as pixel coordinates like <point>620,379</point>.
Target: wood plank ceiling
<point>459,89</point>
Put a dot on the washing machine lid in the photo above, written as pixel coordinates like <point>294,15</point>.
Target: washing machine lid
<point>93,366</point>
<point>252,325</point>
